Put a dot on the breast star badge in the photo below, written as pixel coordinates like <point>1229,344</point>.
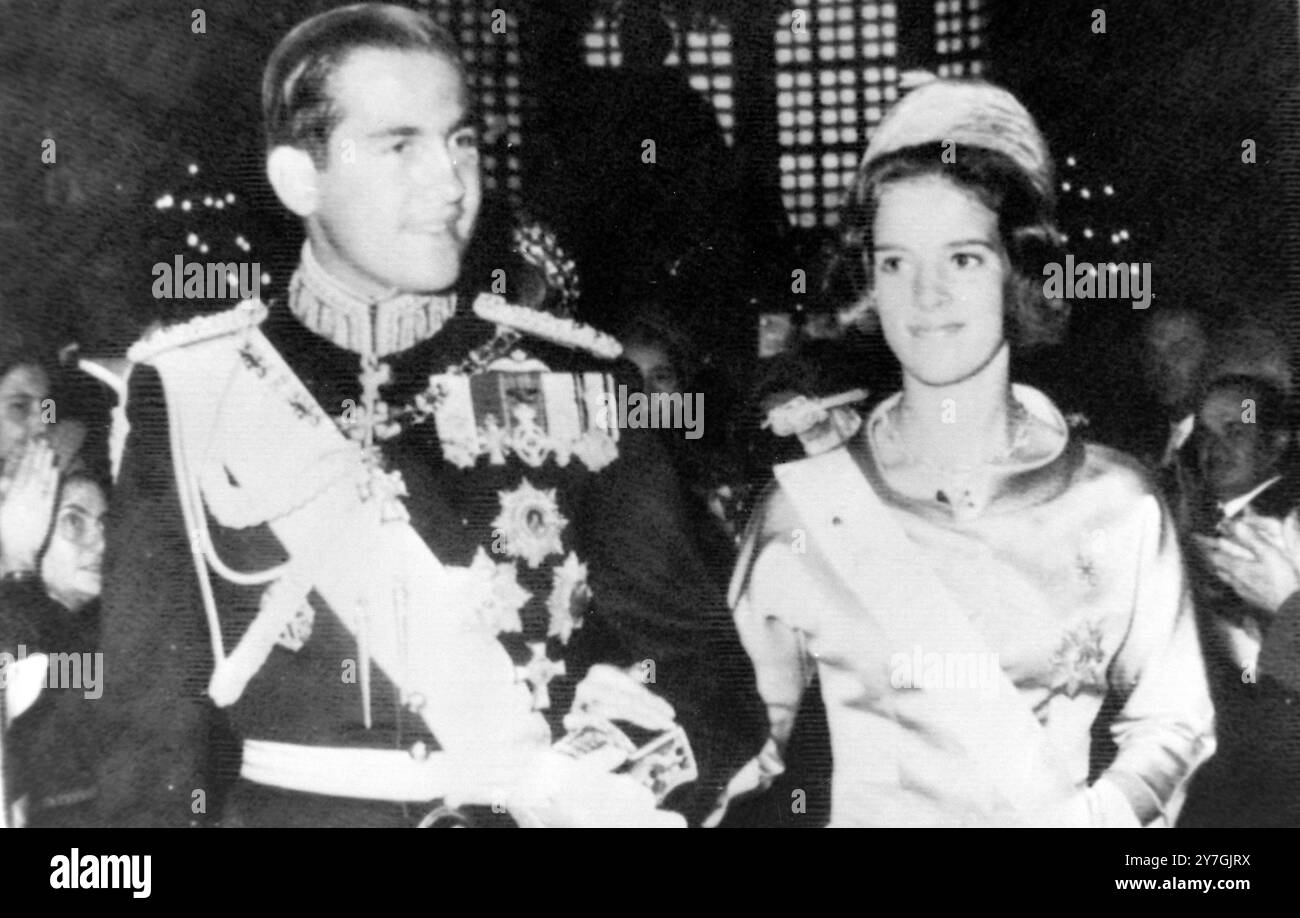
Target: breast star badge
<point>529,524</point>
<point>569,598</point>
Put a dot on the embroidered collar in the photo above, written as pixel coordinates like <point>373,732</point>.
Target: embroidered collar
<point>367,326</point>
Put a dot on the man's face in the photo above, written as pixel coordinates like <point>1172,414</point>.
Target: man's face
<point>400,190</point>
<point>1233,456</point>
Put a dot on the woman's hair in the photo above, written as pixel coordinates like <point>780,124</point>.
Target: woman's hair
<point>25,351</point>
<point>1026,228</point>
<point>80,472</point>
<point>1273,408</point>
<point>297,101</point>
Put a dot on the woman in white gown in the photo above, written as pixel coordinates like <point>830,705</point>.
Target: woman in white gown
<point>970,581</point>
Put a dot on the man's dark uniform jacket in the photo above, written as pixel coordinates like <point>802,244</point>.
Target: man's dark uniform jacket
<point>650,599</point>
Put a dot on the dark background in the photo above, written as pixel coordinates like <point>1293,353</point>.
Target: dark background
<point>1158,106</point>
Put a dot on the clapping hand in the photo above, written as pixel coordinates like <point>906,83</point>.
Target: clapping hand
<point>27,506</point>
<point>1257,557</point>
<point>562,792</point>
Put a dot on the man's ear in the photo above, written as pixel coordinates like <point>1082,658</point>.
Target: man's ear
<point>295,179</point>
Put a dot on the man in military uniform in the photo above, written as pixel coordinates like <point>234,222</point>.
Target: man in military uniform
<point>420,536</point>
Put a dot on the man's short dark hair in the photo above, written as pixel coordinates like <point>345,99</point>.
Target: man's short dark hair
<point>297,104</point>
<point>1273,411</point>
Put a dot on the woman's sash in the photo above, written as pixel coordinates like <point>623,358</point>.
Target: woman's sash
<point>990,726</point>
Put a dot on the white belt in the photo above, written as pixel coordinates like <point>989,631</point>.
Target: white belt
<point>365,774</point>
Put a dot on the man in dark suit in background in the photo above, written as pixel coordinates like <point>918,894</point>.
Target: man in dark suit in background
<point>1248,599</point>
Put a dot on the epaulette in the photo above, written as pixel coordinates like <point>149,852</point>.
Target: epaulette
<point>494,308</point>
<point>246,314</point>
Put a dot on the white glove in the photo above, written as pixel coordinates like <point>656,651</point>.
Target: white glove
<point>564,792</point>
<point>1101,806</point>
<point>23,680</point>
<point>611,693</point>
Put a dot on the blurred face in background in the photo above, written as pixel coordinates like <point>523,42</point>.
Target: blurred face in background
<point>1234,455</point>
<point>1175,348</point>
<point>657,368</point>
<point>22,390</point>
<point>71,566</point>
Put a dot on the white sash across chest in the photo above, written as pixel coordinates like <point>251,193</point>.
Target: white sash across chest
<point>869,551</point>
<point>251,446</point>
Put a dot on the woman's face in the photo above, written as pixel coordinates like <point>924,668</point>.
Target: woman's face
<point>22,390</point>
<point>70,568</point>
<point>940,275</point>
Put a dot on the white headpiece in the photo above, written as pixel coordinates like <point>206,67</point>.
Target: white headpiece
<point>969,113</point>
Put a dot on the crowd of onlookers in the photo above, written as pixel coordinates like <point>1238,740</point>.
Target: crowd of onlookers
<point>52,513</point>
<point>1226,460</point>
<point>1230,474</point>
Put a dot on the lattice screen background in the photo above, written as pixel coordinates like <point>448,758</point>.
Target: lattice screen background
<point>959,38</point>
<point>709,64</point>
<point>494,60</point>
<point>836,74</point>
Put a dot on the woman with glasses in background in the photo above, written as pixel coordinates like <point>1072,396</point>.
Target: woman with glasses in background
<point>52,550</point>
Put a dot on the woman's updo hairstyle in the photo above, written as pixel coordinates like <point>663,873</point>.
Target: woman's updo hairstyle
<point>979,137</point>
